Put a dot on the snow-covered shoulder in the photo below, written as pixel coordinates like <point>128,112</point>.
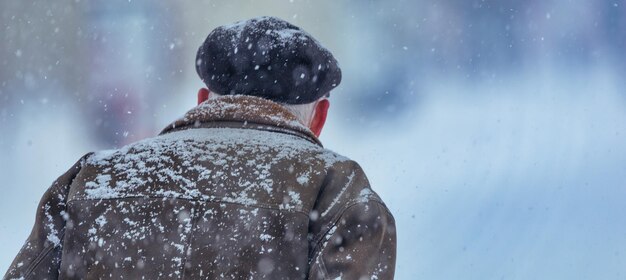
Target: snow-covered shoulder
<point>185,158</point>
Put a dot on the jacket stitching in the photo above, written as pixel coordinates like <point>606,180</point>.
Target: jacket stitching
<point>42,255</point>
<point>38,260</point>
<point>69,186</point>
<point>326,181</point>
<point>323,268</point>
<point>47,249</point>
<point>336,219</point>
<point>190,242</point>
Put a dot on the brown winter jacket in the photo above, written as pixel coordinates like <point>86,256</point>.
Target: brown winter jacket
<point>236,189</point>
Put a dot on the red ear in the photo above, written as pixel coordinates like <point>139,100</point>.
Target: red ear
<point>203,95</point>
<point>319,117</point>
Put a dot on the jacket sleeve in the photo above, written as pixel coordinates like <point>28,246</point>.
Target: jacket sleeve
<point>40,256</point>
<point>356,235</point>
<point>361,245</point>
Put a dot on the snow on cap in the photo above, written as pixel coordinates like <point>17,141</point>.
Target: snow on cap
<point>267,57</point>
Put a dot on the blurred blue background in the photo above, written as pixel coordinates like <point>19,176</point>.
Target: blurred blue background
<point>493,130</point>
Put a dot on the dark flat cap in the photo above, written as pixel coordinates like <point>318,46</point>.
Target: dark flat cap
<point>267,57</point>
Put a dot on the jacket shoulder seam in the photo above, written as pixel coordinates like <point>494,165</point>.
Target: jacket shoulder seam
<point>190,242</point>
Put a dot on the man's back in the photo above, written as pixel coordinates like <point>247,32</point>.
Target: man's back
<point>235,189</point>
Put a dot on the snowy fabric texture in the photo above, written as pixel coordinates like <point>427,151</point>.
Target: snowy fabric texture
<point>216,195</point>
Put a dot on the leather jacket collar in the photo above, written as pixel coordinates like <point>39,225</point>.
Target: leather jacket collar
<point>240,111</point>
